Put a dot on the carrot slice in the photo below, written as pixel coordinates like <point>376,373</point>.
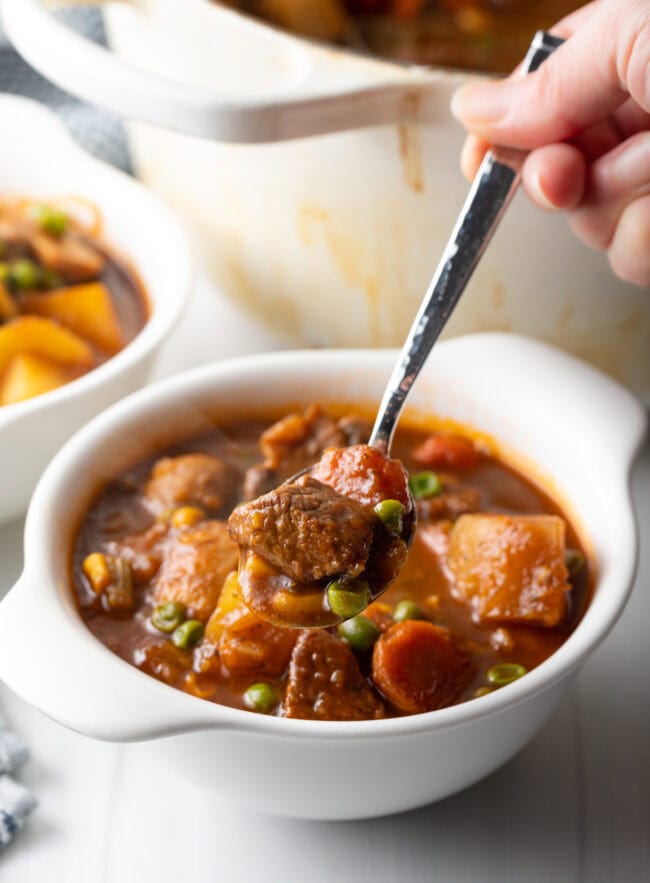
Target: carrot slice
<point>417,667</point>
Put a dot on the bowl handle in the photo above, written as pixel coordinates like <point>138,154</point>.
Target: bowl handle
<point>51,660</point>
<point>304,107</point>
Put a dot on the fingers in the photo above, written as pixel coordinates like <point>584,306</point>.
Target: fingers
<point>615,181</point>
<point>629,251</point>
<point>471,156</point>
<point>583,82</point>
<point>554,176</point>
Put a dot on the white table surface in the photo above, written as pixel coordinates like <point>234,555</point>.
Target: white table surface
<point>573,806</point>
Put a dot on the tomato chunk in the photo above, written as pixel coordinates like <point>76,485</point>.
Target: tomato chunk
<point>417,667</point>
<point>448,451</point>
<point>364,474</point>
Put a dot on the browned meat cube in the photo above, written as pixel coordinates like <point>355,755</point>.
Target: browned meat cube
<point>75,259</point>
<point>449,504</point>
<point>191,480</point>
<point>143,552</point>
<point>510,568</point>
<point>325,682</point>
<point>355,429</point>
<point>289,445</point>
<point>307,530</point>
<point>164,661</point>
<point>299,438</point>
<point>364,474</point>
<point>417,667</point>
<point>194,568</point>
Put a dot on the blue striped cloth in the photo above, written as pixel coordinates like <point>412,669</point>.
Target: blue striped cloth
<point>16,802</point>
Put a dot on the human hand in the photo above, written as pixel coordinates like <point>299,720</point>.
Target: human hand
<point>585,117</point>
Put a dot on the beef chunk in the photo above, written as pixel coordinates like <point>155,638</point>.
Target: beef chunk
<point>364,474</point>
<point>191,480</point>
<point>355,429</point>
<point>163,661</point>
<point>325,682</point>
<point>143,552</point>
<point>300,438</point>
<point>195,566</point>
<point>510,568</point>
<point>289,445</point>
<point>449,504</point>
<point>307,530</point>
<point>417,667</point>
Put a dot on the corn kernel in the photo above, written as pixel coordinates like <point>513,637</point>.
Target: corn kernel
<point>186,516</point>
<point>97,570</point>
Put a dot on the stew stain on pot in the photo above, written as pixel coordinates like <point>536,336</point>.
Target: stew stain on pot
<point>315,224</point>
<point>410,148</point>
<point>272,308</point>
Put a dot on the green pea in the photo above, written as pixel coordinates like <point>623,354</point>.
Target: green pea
<point>168,616</point>
<point>24,274</point>
<point>390,513</point>
<point>407,610</point>
<point>360,632</point>
<point>51,220</point>
<point>425,484</point>
<point>575,563</point>
<point>4,272</point>
<point>505,673</point>
<point>346,600</point>
<point>188,634</point>
<point>261,697</point>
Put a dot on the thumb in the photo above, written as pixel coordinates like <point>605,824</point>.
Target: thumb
<point>584,81</point>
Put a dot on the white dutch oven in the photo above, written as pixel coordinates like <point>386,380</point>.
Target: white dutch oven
<point>38,158</point>
<point>333,237</point>
<point>573,424</point>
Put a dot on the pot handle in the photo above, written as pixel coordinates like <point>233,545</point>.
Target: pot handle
<point>303,108</point>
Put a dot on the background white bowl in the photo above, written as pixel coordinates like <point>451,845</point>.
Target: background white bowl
<point>577,428</point>
<point>40,159</point>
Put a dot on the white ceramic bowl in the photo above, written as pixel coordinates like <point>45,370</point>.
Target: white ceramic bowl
<point>40,159</point>
<point>575,426</point>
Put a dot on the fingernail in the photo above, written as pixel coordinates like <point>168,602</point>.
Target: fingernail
<point>538,194</point>
<point>481,103</point>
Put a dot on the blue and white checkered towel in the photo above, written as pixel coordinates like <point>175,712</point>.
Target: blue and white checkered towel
<point>16,802</point>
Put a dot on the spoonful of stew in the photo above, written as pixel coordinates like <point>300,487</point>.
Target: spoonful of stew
<point>324,544</point>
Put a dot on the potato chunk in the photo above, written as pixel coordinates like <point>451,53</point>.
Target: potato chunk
<point>85,309</point>
<point>41,337</point>
<point>29,376</point>
<point>510,568</point>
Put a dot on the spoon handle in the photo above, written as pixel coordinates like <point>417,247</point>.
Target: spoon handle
<point>492,190</point>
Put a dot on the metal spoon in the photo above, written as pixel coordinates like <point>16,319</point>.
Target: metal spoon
<point>492,190</point>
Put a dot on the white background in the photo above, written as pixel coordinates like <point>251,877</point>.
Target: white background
<point>573,806</point>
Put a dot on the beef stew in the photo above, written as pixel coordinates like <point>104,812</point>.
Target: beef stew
<point>495,581</point>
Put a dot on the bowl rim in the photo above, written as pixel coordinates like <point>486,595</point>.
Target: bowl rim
<point>164,310</point>
<point>185,713</point>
